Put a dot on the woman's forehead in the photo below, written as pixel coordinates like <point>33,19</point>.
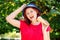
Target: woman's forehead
<point>29,9</point>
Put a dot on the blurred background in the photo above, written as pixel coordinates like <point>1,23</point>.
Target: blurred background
<point>50,12</point>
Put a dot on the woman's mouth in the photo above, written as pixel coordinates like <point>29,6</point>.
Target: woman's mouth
<point>31,17</point>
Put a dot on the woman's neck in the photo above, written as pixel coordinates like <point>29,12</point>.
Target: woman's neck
<point>35,22</point>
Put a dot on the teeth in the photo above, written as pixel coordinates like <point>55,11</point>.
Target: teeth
<point>31,17</point>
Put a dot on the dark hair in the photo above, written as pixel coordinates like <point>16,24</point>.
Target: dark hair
<point>25,17</point>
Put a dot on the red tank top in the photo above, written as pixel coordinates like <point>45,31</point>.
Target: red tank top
<point>31,32</point>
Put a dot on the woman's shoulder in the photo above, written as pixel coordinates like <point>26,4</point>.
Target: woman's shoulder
<point>22,21</point>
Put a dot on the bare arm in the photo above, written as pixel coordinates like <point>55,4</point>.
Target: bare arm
<point>10,18</point>
<point>45,33</point>
<point>45,25</point>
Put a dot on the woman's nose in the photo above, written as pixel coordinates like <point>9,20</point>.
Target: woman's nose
<point>30,14</point>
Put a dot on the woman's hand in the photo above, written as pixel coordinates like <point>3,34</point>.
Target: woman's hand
<point>23,6</point>
<point>40,19</point>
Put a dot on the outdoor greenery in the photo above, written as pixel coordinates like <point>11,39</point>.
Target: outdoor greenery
<point>50,12</point>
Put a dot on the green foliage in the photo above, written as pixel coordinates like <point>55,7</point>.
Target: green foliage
<point>50,11</point>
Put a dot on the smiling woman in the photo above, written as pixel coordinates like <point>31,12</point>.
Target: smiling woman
<point>29,14</point>
<point>33,27</point>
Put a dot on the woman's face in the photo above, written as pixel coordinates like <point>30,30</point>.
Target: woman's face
<point>31,14</point>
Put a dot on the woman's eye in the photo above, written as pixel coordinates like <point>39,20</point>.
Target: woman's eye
<point>31,11</point>
<point>27,13</point>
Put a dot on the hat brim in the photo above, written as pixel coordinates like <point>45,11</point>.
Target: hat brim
<point>32,7</point>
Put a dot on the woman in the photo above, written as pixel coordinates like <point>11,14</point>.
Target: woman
<point>33,27</point>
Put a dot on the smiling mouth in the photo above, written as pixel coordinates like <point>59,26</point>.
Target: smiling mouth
<point>31,17</point>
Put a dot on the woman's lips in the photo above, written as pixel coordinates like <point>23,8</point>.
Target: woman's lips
<point>31,17</point>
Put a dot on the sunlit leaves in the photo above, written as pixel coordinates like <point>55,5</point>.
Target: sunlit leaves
<point>50,18</point>
<point>16,0</point>
<point>57,33</point>
<point>53,11</point>
<point>5,9</point>
<point>22,0</point>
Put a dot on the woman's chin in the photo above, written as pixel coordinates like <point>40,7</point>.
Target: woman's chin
<point>31,19</point>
